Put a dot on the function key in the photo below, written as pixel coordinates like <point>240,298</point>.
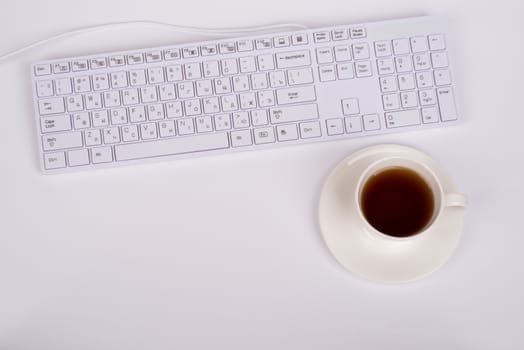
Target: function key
<point>281,41</point>
<point>189,52</point>
<point>357,32</point>
<point>61,67</point>
<point>401,46</point>
<point>299,39</point>
<point>382,48</point>
<point>79,65</point>
<point>171,54</point>
<point>135,58</point>
<point>97,63</point>
<point>321,37</point>
<point>154,56</point>
<point>42,69</point>
<point>340,34</point>
<point>208,50</point>
<point>436,42</point>
<point>264,43</point>
<point>244,45</point>
<point>226,47</point>
<point>419,44</point>
<point>117,61</point>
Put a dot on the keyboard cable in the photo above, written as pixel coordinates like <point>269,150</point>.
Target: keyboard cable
<point>178,28</point>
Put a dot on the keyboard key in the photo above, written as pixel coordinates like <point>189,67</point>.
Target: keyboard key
<point>54,124</point>
<point>340,34</point>
<point>101,82</point>
<point>446,102</point>
<point>345,71</point>
<point>385,66</point>
<point>264,135</point>
<point>293,113</point>
<point>327,73</point>
<point>427,97</point>
<point>81,120</point>
<point>281,41</point>
<point>421,61</point>
<point>419,44</point>
<point>222,122</point>
<point>353,124</point>
<point>244,45</point>
<point>300,76</point>
<point>101,155</point>
<point>259,81</point>
<point>264,43</point>
<point>265,62</point>
<point>402,118</point>
<point>436,42</point>
<point>185,126</point>
<point>388,83</point>
<point>93,137</point>
<point>51,106</point>
<point>430,115</point>
<point>424,79</point>
<point>63,86</point>
<point>360,51</point>
<point>172,54</point>
<point>382,48</point>
<point>350,106</point>
<point>277,79</point>
<point>44,88</point>
<point>240,120</point>
<point>155,75</point>
<point>403,64</point>
<point>192,71</point>
<point>321,37</point>
<point>211,69</point>
<point>408,99</point>
<point>363,69</point>
<point>229,103</point>
<point>390,101</point>
<point>241,138</point>
<point>296,95</point>
<point>371,122</point>
<point>111,135</point>
<point>293,59</point>
<point>208,50</point>
<point>342,53</point>
<point>247,64</point>
<point>78,157</point>
<point>266,98</point>
<point>357,32</point>
<point>42,69</point>
<point>76,103</point>
<point>401,46</point>
<point>309,130</point>
<point>54,160</point>
<point>324,55</point>
<point>442,77</point>
<point>204,124</point>
<point>62,141</point>
<point>287,132</point>
<point>173,73</point>
<point>130,133</point>
<point>61,67</point>
<point>439,59</point>
<point>406,82</point>
<point>259,117</point>
<point>334,127</point>
<point>190,52</point>
<point>299,39</point>
<point>148,131</point>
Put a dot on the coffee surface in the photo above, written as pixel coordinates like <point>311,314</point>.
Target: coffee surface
<point>397,201</point>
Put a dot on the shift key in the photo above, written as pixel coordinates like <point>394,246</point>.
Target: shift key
<point>62,141</point>
<point>293,113</point>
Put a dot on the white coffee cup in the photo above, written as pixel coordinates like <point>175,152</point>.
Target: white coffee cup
<point>379,256</point>
<point>441,200</point>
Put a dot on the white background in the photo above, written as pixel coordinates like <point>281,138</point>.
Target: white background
<point>225,252</point>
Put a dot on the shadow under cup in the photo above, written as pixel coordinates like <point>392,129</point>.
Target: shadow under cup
<point>399,198</point>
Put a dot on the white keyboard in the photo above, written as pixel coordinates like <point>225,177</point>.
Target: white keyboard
<point>245,93</point>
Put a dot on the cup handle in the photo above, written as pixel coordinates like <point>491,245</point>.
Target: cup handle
<point>455,200</point>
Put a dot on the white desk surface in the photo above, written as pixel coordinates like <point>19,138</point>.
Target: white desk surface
<point>225,252</point>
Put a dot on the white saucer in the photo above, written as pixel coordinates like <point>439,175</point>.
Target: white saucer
<point>383,260</point>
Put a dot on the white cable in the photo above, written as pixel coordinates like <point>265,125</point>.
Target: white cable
<point>176,27</point>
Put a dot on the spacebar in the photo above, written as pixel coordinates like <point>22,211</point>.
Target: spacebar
<point>172,146</point>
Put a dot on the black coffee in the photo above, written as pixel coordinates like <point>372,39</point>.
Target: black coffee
<point>397,202</point>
